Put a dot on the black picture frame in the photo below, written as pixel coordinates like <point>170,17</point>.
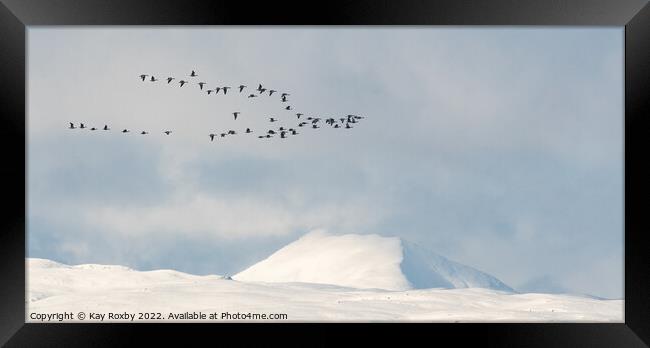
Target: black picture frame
<point>15,15</point>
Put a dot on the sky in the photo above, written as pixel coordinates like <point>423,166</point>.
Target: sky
<point>497,147</point>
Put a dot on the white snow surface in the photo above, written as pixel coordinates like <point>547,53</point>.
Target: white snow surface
<point>366,261</point>
<point>371,278</point>
<point>58,288</point>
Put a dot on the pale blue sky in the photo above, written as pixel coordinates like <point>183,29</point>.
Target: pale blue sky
<point>500,148</point>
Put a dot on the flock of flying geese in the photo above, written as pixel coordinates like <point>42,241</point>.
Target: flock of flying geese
<point>313,122</point>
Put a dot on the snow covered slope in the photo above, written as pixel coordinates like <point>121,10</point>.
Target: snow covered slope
<point>365,261</point>
<point>48,278</point>
<point>99,291</point>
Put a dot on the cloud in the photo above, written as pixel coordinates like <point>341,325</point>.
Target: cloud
<point>201,215</point>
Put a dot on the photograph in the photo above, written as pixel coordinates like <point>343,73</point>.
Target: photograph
<point>324,174</point>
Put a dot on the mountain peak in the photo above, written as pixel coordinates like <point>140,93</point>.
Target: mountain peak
<point>365,261</point>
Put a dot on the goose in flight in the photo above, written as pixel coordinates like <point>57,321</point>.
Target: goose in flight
<point>193,74</point>
<point>153,79</point>
<point>252,96</point>
<point>93,128</point>
<point>225,89</point>
<point>299,114</point>
<point>268,136</point>
<point>232,132</point>
<point>182,82</point>
<point>241,88</point>
<point>248,130</point>
<point>201,85</point>
<point>284,99</point>
<point>330,121</point>
<point>143,77</point>
<point>315,120</point>
<point>143,133</point>
<point>262,90</point>
<point>223,134</point>
<point>271,119</point>
<point>216,90</point>
<point>210,91</point>
<point>271,131</point>
<point>336,126</point>
<point>71,126</point>
<point>167,132</point>
<point>271,91</point>
<point>293,132</point>
<point>236,113</point>
<point>81,125</point>
<point>211,137</point>
<point>106,127</point>
<point>315,126</point>
<point>125,131</point>
<point>302,124</point>
<point>283,134</point>
<point>169,79</point>
<point>288,107</point>
<point>283,95</point>
<point>355,116</point>
<point>259,88</point>
<point>347,126</point>
<point>261,136</point>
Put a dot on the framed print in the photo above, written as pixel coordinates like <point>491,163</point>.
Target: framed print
<point>463,170</point>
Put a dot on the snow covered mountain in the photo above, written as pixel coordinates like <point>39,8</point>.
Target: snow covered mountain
<point>100,291</point>
<point>366,261</point>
